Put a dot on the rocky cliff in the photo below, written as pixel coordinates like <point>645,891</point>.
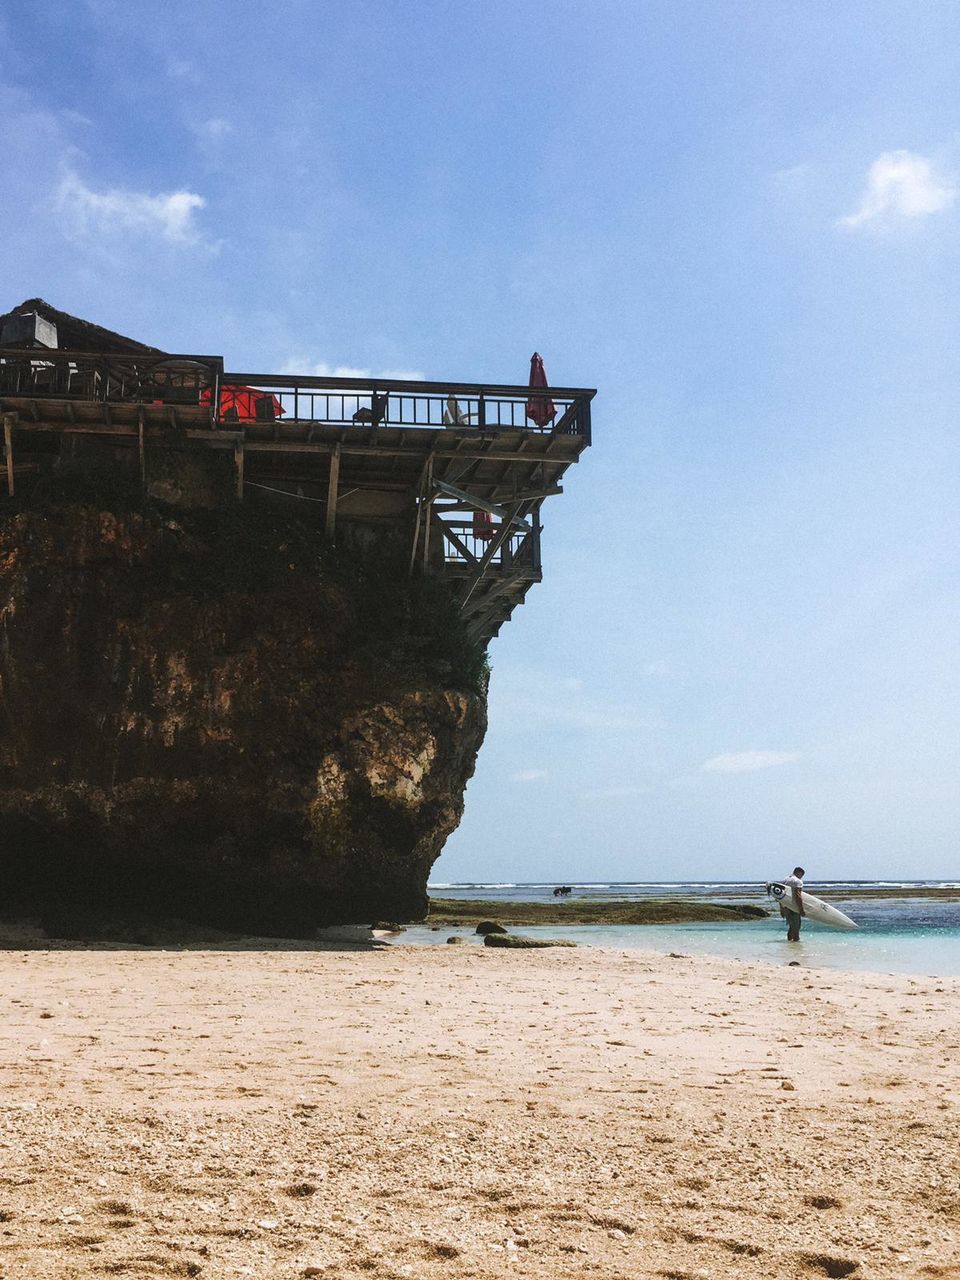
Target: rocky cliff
<point>211,715</point>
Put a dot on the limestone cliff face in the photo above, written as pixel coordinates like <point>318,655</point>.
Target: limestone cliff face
<point>209,717</point>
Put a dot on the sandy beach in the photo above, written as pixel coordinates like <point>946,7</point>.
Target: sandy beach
<point>466,1112</point>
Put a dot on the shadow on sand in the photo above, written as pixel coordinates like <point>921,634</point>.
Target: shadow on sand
<point>87,934</point>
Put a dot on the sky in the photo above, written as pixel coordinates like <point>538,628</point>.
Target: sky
<point>738,220</point>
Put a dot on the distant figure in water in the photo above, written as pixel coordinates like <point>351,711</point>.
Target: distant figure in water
<point>562,891</point>
<point>794,882</point>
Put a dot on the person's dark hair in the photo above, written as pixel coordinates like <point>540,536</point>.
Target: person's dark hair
<point>799,871</point>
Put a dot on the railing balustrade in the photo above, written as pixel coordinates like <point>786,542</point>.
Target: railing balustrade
<point>108,377</point>
<point>517,548</point>
<point>288,399</point>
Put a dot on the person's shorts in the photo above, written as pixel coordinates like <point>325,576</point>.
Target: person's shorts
<point>793,919</point>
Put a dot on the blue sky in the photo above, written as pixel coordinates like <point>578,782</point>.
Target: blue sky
<point>738,220</point>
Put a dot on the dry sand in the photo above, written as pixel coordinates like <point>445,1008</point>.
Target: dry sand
<point>464,1112</point>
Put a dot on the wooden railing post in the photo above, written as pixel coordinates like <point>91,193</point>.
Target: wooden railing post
<point>238,460</point>
<point>8,422</point>
<point>333,485</point>
<point>142,446</point>
<point>535,537</point>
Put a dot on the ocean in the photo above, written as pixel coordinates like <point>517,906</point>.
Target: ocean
<point>897,934</point>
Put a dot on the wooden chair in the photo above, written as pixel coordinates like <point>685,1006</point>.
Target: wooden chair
<point>375,414</point>
<point>454,416</point>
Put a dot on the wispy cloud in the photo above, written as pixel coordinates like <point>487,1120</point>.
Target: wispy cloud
<point>793,180</point>
<point>212,131</point>
<point>901,186</point>
<point>321,369</point>
<point>624,792</point>
<point>749,761</point>
<point>586,715</point>
<point>170,216</point>
<point>529,775</point>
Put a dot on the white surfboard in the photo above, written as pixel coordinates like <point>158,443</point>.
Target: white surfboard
<point>814,908</point>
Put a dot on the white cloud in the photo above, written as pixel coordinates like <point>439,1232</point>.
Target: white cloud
<point>320,369</point>
<point>901,185</point>
<point>529,775</point>
<point>404,375</point>
<point>170,216</point>
<point>749,761</point>
<point>212,131</point>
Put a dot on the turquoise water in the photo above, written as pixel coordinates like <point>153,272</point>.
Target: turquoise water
<point>896,935</point>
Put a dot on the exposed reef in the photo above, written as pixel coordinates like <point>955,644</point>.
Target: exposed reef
<point>587,911</point>
<point>212,714</point>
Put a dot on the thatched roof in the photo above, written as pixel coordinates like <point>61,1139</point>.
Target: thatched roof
<point>74,334</point>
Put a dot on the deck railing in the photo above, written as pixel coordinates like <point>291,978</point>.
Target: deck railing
<point>108,377</point>
<point>287,399</point>
<point>516,549</point>
<point>395,403</point>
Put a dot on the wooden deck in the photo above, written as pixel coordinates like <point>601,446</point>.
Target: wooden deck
<point>457,469</point>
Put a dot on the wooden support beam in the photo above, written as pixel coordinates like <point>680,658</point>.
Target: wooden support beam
<point>492,597</point>
<point>454,541</point>
<point>535,536</point>
<point>333,485</point>
<point>525,495</point>
<point>142,446</point>
<point>238,461</point>
<point>418,499</point>
<point>481,504</point>
<point>502,534</point>
<point>225,439</point>
<point>8,423</point>
<point>429,492</point>
<point>416,530</point>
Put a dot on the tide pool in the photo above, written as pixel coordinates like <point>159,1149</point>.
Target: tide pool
<point>918,935</point>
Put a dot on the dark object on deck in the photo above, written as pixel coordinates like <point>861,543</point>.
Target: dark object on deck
<point>489,926</point>
<point>562,891</point>
<point>375,414</point>
<point>176,381</point>
<point>28,329</point>
<point>540,409</point>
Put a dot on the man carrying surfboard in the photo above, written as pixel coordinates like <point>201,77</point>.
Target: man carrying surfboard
<point>794,882</point>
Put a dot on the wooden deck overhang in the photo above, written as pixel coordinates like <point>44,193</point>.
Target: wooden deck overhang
<point>456,468</point>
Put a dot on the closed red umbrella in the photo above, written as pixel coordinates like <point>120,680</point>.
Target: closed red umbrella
<point>540,409</point>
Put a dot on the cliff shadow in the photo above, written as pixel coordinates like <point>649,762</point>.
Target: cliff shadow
<point>19,933</point>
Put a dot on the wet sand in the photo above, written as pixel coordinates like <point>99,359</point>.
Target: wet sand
<point>467,1112</point>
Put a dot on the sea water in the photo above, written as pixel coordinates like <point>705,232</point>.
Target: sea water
<point>897,933</point>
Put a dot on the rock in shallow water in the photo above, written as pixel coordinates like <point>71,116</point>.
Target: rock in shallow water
<point>518,941</point>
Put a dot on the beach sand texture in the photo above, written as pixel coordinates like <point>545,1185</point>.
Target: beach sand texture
<point>464,1112</point>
